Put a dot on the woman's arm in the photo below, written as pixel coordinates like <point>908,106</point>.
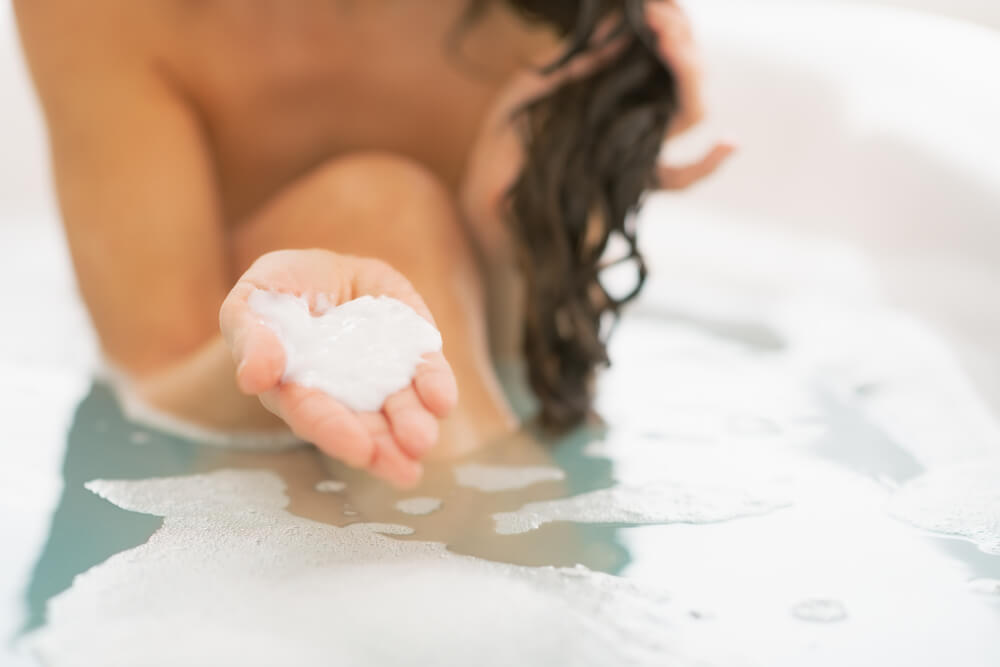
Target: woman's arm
<point>139,201</point>
<point>138,198</point>
<point>135,186</point>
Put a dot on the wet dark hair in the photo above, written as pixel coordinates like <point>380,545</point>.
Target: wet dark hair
<point>591,148</point>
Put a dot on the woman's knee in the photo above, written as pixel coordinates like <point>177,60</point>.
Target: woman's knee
<point>381,189</point>
<point>370,203</point>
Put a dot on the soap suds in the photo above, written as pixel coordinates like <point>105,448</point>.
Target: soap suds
<point>242,581</point>
<point>653,503</point>
<point>663,483</point>
<point>330,486</point>
<point>418,506</point>
<point>504,477</point>
<point>359,353</point>
<point>961,500</point>
<point>820,611</point>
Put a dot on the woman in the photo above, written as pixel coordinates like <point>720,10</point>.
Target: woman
<point>417,149</point>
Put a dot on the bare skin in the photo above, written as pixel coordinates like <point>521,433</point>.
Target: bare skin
<point>201,147</point>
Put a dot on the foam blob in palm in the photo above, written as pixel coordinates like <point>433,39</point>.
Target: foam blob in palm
<point>360,353</point>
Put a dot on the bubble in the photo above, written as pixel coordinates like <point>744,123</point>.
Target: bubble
<point>330,486</point>
<point>418,506</point>
<point>820,611</point>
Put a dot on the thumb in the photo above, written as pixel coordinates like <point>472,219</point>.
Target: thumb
<point>258,354</point>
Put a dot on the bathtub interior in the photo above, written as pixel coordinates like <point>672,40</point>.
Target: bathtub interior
<point>801,431</point>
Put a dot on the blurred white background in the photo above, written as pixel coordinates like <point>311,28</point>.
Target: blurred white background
<point>870,125</point>
<point>980,11</point>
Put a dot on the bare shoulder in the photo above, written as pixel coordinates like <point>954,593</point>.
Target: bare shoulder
<point>72,44</point>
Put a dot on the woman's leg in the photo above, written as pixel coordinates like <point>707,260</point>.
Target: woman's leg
<point>383,206</point>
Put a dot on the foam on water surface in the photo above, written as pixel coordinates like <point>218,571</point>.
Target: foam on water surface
<point>658,502</point>
<point>418,506</point>
<point>961,500</point>
<point>330,486</point>
<point>273,588</point>
<point>504,477</point>
<point>360,352</point>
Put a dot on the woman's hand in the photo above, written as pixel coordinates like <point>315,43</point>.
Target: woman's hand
<point>497,154</point>
<point>679,52</point>
<point>388,443</point>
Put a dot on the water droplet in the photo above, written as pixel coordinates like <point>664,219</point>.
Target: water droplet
<point>330,486</point>
<point>820,611</point>
<point>139,438</point>
<point>418,506</point>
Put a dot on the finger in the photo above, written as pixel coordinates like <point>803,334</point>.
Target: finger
<point>668,20</point>
<point>678,178</point>
<point>378,278</point>
<point>415,429</point>
<point>258,354</point>
<point>262,361</point>
<point>435,385</point>
<point>387,461</point>
<point>675,39</point>
<point>325,422</point>
<point>435,382</point>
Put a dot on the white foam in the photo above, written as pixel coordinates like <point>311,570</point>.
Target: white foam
<point>241,581</point>
<point>360,352</point>
<point>330,486</point>
<point>504,477</point>
<point>418,506</point>
<point>961,500</point>
<point>657,502</point>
